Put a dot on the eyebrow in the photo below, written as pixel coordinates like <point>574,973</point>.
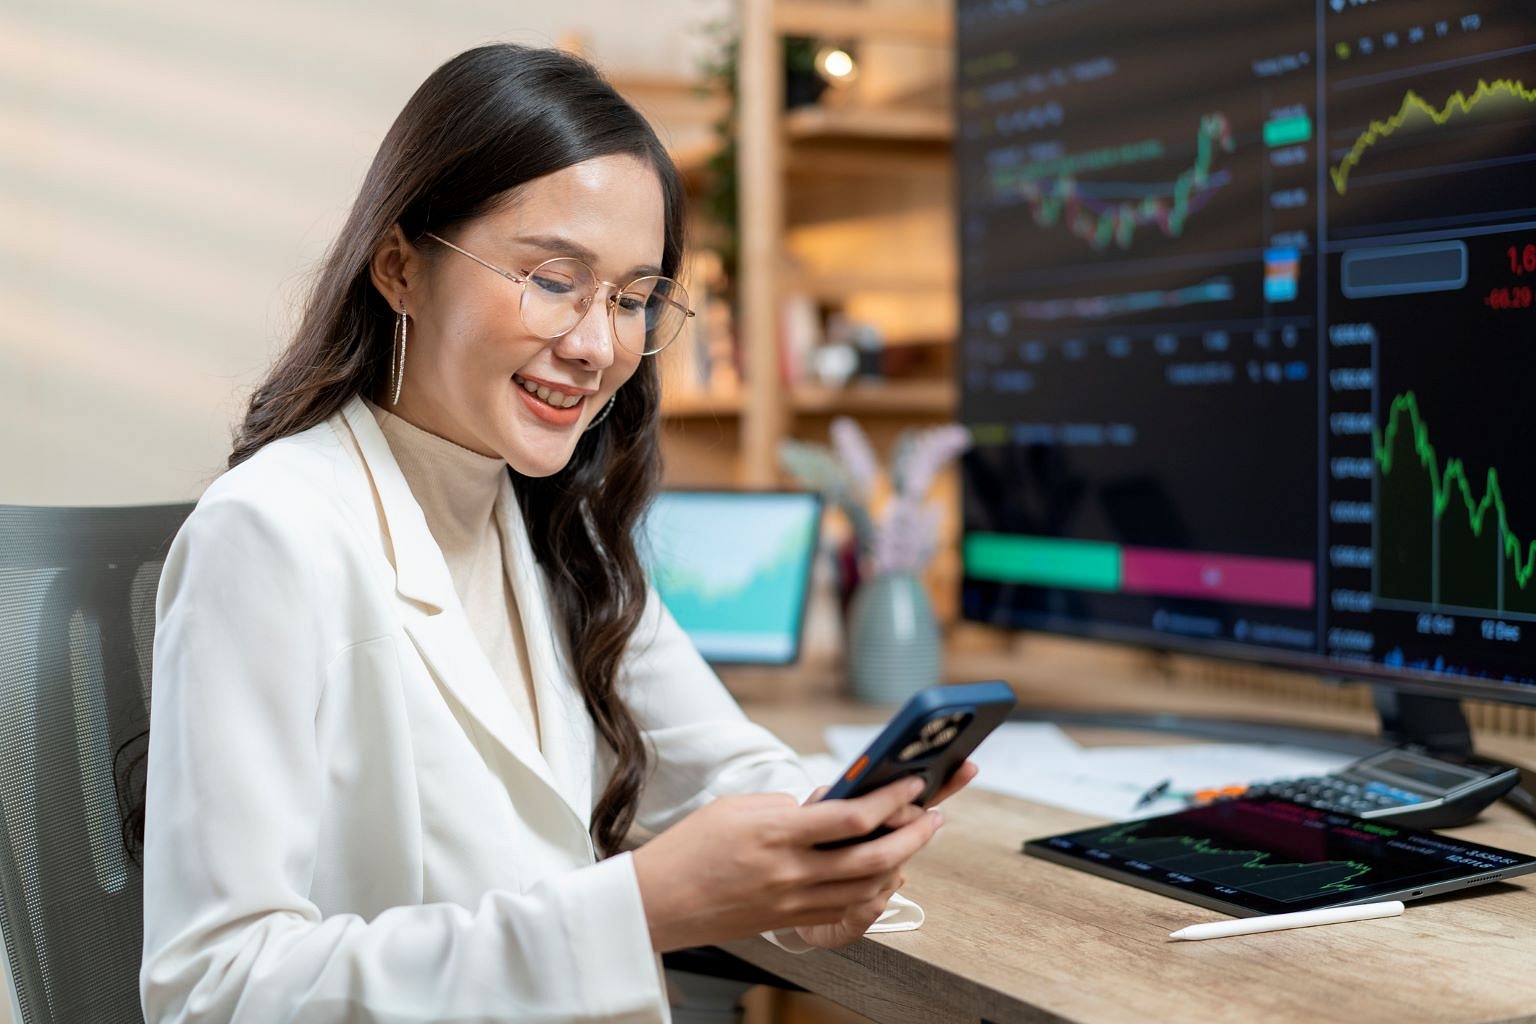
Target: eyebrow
<point>566,247</point>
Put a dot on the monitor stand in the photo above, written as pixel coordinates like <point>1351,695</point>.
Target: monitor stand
<point>1435,724</point>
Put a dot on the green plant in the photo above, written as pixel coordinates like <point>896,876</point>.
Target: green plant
<point>720,197</point>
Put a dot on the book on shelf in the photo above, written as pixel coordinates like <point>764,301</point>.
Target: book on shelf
<point>799,336</point>
<point>702,361</point>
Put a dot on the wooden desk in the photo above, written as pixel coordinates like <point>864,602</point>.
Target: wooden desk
<point>1013,938</point>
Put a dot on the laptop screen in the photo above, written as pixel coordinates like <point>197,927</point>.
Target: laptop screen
<point>734,569</point>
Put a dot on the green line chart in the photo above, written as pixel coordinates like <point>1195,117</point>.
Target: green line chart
<point>1249,870</point>
<point>1415,108</point>
<point>1471,558</point>
<point>1111,214</point>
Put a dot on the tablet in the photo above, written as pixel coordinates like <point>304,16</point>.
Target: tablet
<point>1262,855</point>
<point>734,569</point>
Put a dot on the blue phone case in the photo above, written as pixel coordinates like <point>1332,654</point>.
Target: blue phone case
<point>931,736</point>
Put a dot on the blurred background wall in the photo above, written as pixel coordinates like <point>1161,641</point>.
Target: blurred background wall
<point>170,173</point>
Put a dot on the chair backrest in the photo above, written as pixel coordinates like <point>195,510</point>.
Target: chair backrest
<point>77,619</point>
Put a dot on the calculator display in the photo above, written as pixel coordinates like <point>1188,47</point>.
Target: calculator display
<point>1434,776</point>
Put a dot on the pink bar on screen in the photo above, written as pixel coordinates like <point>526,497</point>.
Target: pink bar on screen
<point>1286,582</point>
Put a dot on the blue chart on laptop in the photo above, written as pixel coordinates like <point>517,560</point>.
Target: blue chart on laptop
<point>734,568</point>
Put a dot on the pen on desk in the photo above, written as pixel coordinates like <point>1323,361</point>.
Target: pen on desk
<point>1153,793</point>
<point>1302,919</point>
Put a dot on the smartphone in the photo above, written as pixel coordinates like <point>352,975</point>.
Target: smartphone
<point>931,736</point>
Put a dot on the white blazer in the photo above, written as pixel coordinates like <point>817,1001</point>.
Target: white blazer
<point>347,819</point>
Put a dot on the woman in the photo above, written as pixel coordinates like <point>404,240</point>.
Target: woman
<point>412,692</point>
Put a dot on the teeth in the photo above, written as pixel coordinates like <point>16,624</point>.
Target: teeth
<point>558,399</point>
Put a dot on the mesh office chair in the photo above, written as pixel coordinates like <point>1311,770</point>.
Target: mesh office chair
<point>77,619</point>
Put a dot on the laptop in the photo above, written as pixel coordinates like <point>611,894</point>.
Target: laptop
<point>734,568</point>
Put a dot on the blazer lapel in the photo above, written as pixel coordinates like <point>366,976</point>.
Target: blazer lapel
<point>432,614</point>
<point>566,727</point>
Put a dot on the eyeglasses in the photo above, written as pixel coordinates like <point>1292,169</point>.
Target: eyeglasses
<point>646,314</point>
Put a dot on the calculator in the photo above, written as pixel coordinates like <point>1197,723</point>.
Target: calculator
<point>1402,786</point>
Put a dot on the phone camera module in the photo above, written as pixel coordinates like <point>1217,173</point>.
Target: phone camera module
<point>934,735</point>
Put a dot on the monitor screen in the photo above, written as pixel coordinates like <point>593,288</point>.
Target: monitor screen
<point>734,569</point>
<point>1248,327</point>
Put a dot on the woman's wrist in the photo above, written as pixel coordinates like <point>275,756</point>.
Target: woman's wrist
<point>660,899</point>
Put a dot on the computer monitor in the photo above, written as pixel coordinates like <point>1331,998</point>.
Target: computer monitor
<point>1248,331</point>
<point>734,568</point>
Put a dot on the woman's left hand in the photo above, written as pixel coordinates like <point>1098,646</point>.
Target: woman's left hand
<point>958,781</point>
<point>858,921</point>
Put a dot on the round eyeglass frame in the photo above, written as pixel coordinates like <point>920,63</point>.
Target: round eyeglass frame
<point>611,301</point>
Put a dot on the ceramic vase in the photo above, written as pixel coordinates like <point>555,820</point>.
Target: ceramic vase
<point>893,639</point>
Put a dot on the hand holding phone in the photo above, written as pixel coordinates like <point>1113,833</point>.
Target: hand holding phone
<point>930,737</point>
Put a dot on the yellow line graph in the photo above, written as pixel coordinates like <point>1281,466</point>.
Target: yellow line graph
<point>1414,103</point>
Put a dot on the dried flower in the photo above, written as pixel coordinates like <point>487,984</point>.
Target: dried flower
<point>816,468</point>
<point>920,454</point>
<point>906,538</point>
<point>857,455</point>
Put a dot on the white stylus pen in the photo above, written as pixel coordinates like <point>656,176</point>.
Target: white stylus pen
<point>1275,922</point>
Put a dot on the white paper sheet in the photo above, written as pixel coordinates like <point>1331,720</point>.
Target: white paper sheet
<point>1037,761</point>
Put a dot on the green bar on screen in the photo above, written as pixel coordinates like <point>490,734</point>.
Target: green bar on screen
<point>1286,131</point>
<point>1043,561</point>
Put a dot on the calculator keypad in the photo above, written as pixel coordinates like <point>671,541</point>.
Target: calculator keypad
<point>1338,794</point>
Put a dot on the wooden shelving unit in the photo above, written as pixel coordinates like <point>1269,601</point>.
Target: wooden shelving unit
<point>846,202</point>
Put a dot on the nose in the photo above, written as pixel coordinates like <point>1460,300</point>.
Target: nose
<point>591,342</point>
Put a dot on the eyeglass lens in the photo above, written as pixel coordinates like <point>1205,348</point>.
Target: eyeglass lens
<point>646,315</point>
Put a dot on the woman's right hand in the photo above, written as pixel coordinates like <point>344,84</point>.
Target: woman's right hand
<point>749,864</point>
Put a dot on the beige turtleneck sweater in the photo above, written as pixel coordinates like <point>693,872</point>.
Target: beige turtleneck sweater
<point>457,491</point>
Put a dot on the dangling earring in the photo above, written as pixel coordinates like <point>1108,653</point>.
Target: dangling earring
<point>397,355</point>
<point>600,416</point>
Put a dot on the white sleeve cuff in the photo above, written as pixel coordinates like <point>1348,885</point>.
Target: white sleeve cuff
<point>610,940</point>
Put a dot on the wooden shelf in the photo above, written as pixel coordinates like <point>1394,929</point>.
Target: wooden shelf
<point>861,21</point>
<point>870,124</point>
<point>887,398</point>
<point>699,405</point>
<point>890,398</point>
<point>864,158</point>
<point>839,288</point>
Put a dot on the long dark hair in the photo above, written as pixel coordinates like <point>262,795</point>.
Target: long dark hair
<point>486,122</point>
